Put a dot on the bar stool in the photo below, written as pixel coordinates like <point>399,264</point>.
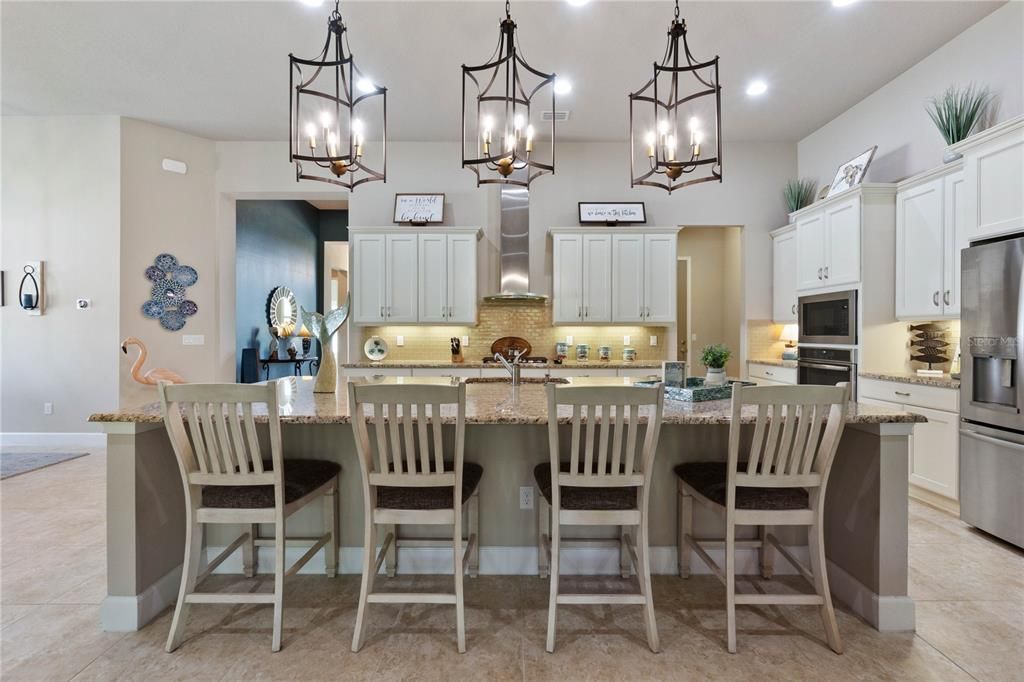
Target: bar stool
<point>417,487</point>
<point>227,481</point>
<point>782,482</point>
<point>609,488</point>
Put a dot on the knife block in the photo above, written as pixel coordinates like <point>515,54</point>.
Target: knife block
<point>458,358</point>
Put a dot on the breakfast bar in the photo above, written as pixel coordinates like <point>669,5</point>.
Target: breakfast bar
<point>506,432</point>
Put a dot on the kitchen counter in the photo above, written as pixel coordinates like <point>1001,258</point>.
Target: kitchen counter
<point>478,364</point>
<point>494,402</point>
<point>944,381</point>
<point>773,362</point>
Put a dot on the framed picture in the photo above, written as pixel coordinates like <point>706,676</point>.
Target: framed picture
<point>419,209</point>
<point>612,213</point>
<point>851,173</point>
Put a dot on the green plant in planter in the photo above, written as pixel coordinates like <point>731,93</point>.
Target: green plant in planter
<point>957,111</point>
<point>798,193</point>
<point>715,356</point>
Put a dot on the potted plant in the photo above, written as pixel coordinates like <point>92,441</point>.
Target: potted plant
<point>956,113</point>
<point>798,193</point>
<point>323,328</point>
<point>714,358</point>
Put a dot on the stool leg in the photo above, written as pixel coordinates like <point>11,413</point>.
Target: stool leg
<point>644,570</point>
<point>460,607</point>
<point>279,547</point>
<point>369,568</point>
<point>684,529</point>
<point>543,528</point>
<point>391,559</point>
<point>250,558</point>
<point>816,549</point>
<point>730,582</point>
<point>189,573</point>
<point>767,555</point>
<point>553,598</point>
<point>625,561</point>
<point>331,526</point>
<point>474,533</point>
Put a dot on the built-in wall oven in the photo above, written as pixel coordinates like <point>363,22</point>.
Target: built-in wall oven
<point>829,319</point>
<point>819,366</point>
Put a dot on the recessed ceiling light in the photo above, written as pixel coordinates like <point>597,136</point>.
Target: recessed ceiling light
<point>312,3</point>
<point>365,85</point>
<point>756,88</point>
<point>842,3</point>
<point>577,3</point>
<point>563,86</point>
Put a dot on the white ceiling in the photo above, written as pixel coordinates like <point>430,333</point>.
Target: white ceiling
<point>219,69</point>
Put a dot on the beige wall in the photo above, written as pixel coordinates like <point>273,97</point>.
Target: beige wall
<point>716,293</point>
<point>167,212</point>
<point>60,199</point>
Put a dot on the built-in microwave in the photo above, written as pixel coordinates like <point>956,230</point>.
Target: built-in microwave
<point>829,319</point>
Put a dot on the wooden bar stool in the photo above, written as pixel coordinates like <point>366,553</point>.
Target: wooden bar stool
<point>604,483</point>
<point>782,482</point>
<point>228,481</point>
<point>416,486</point>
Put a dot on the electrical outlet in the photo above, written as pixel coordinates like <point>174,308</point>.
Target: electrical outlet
<point>465,341</point>
<point>526,497</point>
<point>693,337</point>
<point>568,339</point>
<point>48,409</point>
<point>193,339</point>
<point>654,340</point>
<point>625,340</point>
<point>399,340</point>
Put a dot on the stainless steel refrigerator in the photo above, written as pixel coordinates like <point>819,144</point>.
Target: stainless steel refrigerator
<point>992,388</point>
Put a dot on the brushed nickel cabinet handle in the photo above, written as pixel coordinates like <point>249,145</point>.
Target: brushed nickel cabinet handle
<point>945,297</point>
<point>935,299</point>
<point>905,395</point>
<point>793,309</point>
<point>826,272</point>
<point>819,273</point>
<point>382,312</point>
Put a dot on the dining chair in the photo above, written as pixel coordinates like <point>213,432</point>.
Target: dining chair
<point>228,479</point>
<point>605,482</point>
<point>782,481</point>
<point>409,477</point>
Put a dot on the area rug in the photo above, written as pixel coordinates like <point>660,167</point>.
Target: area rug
<point>16,463</point>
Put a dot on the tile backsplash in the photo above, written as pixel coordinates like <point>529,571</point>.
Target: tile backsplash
<point>530,320</point>
<point>763,340</point>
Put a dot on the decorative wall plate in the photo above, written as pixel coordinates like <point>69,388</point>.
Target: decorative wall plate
<point>376,348</point>
<point>282,310</point>
<point>168,302</point>
<point>185,275</point>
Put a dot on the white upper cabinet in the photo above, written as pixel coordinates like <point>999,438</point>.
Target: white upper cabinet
<point>784,274</point>
<point>930,234</point>
<point>810,231</point>
<point>994,176</point>
<point>842,235</point>
<point>409,276</point>
<point>605,275</point>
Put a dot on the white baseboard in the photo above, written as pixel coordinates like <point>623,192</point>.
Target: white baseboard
<point>127,614</point>
<point>84,441</point>
<point>885,613</point>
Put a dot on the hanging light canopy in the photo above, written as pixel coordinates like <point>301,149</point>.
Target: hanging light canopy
<point>333,108</point>
<point>675,120</point>
<point>500,143</point>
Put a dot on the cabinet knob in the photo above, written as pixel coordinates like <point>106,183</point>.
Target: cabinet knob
<point>945,297</point>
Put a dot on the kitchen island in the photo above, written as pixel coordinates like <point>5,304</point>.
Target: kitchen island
<point>506,433</point>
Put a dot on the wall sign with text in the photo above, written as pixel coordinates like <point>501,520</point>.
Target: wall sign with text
<point>419,208</point>
<point>612,213</point>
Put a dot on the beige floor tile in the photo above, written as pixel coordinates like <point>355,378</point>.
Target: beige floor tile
<point>984,638</point>
<point>53,642</point>
<point>46,575</point>
<point>10,613</point>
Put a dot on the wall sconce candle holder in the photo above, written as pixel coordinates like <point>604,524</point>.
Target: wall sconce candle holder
<point>30,290</point>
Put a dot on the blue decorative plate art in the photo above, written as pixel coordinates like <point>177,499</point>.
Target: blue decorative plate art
<point>168,302</point>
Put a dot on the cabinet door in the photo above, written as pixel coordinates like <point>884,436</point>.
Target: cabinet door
<point>402,281</point>
<point>461,263</point>
<point>784,278</point>
<point>810,251</point>
<point>369,278</point>
<point>995,175</point>
<point>842,237</point>
<point>919,251</point>
<point>597,278</point>
<point>660,278</point>
<point>433,278</point>
<point>567,280</point>
<point>954,240</point>
<point>935,452</point>
<point>628,278</point>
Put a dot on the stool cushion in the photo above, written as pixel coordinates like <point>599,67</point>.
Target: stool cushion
<point>588,499</point>
<point>301,477</point>
<point>439,497</point>
<point>709,479</point>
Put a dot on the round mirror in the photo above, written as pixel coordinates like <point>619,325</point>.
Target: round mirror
<point>282,310</point>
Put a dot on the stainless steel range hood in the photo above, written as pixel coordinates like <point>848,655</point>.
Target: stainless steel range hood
<point>515,247</point>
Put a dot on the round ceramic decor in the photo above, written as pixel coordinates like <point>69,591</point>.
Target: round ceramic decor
<point>376,348</point>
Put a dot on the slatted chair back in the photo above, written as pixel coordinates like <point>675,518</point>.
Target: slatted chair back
<point>605,449</point>
<point>220,445</point>
<point>794,439</point>
<point>403,444</point>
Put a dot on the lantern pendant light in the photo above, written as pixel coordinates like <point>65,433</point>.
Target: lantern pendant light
<point>675,119</point>
<point>333,108</point>
<point>500,142</point>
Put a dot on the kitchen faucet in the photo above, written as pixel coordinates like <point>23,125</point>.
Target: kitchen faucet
<point>512,367</point>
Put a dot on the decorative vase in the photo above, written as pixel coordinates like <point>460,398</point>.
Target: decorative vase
<point>715,376</point>
<point>327,374</point>
<point>950,156</point>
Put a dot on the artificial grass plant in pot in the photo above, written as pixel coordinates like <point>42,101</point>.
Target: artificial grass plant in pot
<point>714,358</point>
<point>798,193</point>
<point>957,112</point>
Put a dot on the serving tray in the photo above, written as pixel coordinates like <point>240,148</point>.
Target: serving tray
<point>696,392</point>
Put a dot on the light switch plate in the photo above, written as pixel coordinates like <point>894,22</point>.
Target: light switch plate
<point>568,339</point>
<point>48,409</point>
<point>654,340</point>
<point>465,341</point>
<point>625,340</point>
<point>193,339</point>
<point>399,340</point>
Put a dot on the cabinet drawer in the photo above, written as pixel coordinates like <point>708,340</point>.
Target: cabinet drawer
<point>931,397</point>
<point>782,375</point>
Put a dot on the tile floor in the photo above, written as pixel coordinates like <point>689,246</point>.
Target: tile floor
<point>969,591</point>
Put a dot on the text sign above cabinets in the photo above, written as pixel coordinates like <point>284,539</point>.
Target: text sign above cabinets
<point>614,277</point>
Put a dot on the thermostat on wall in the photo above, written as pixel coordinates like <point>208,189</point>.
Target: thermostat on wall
<point>175,166</point>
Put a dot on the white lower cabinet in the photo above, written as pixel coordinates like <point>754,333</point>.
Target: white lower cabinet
<point>935,445</point>
<point>771,375</point>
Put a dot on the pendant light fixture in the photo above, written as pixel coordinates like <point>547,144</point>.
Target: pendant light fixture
<point>502,142</point>
<point>675,119</point>
<point>333,109</point>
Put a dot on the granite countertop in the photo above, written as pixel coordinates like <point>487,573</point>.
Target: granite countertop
<point>493,403</point>
<point>774,362</point>
<point>478,364</point>
<point>944,381</point>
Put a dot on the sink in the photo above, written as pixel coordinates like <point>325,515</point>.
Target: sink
<point>522,380</point>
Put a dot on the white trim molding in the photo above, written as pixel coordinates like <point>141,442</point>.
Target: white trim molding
<point>128,614</point>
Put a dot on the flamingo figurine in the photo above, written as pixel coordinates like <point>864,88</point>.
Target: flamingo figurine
<point>153,376</point>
